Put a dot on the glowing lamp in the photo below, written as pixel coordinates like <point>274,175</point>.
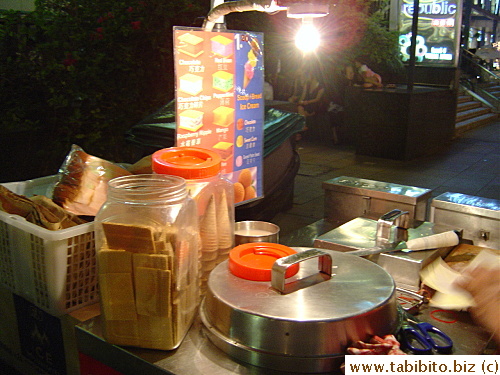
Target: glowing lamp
<point>304,8</point>
<point>307,38</point>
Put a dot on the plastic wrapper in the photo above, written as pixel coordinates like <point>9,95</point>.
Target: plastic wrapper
<point>39,210</point>
<point>83,183</point>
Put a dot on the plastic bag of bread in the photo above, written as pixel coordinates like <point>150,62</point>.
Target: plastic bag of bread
<point>38,210</point>
<point>83,183</point>
<point>143,166</point>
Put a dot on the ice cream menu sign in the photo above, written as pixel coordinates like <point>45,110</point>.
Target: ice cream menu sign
<point>219,101</point>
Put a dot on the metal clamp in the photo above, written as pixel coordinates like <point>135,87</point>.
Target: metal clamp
<point>410,301</point>
<point>391,227</point>
<point>281,265</point>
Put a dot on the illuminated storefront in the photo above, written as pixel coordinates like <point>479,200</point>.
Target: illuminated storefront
<point>438,38</point>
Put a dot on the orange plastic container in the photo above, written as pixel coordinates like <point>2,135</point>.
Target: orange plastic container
<point>213,194</point>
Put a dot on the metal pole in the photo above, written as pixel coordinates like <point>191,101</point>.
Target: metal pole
<point>220,23</point>
<point>413,46</point>
<point>466,22</point>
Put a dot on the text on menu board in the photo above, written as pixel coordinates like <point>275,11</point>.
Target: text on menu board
<point>220,103</point>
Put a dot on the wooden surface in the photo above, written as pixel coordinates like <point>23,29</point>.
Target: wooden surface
<point>462,254</point>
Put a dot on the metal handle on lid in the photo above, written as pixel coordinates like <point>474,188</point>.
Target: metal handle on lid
<point>281,265</point>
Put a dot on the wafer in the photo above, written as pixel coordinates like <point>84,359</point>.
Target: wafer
<point>133,238</point>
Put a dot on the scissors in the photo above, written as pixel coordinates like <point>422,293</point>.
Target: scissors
<point>422,338</point>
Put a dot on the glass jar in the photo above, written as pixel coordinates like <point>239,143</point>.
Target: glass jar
<point>147,255</point>
<point>214,196</point>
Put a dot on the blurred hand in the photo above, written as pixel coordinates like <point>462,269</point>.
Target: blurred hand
<point>484,286</point>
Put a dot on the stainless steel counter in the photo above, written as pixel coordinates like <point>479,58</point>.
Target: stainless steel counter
<point>197,355</point>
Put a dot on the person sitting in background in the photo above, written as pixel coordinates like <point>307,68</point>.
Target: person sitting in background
<point>309,96</point>
<point>360,74</point>
<point>336,118</point>
<point>298,86</point>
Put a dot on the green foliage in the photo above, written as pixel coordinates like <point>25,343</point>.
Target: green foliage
<point>361,32</point>
<point>379,48</point>
<point>84,71</point>
<point>354,29</point>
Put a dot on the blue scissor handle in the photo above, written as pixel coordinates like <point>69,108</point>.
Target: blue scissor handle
<point>427,329</point>
<point>411,335</point>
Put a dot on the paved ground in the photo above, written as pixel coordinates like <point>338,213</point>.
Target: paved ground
<point>470,165</point>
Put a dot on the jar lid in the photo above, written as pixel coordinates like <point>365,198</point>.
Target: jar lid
<point>186,162</point>
<point>254,261</point>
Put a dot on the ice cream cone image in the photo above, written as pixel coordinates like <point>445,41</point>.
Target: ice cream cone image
<point>249,68</point>
<point>246,81</point>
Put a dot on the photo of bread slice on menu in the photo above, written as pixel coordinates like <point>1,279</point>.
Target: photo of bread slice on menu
<point>190,44</point>
<point>191,120</point>
<point>223,116</point>
<point>224,149</point>
<point>222,46</point>
<point>222,81</point>
<point>191,84</point>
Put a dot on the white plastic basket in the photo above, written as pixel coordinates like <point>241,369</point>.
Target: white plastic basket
<point>55,270</point>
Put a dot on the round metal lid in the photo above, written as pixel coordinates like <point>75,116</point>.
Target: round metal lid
<point>356,286</point>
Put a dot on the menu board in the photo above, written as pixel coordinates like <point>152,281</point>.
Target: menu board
<point>220,101</point>
<point>438,35</point>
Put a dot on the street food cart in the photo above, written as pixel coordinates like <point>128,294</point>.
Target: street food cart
<point>74,333</point>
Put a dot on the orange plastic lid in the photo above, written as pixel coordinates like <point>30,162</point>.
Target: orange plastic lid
<point>254,261</point>
<point>186,162</point>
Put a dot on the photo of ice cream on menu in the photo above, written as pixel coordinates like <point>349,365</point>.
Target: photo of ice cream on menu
<point>219,101</point>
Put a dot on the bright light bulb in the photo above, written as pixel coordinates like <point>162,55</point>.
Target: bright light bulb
<point>307,38</point>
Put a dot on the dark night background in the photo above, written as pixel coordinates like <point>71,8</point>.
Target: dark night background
<point>84,71</point>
